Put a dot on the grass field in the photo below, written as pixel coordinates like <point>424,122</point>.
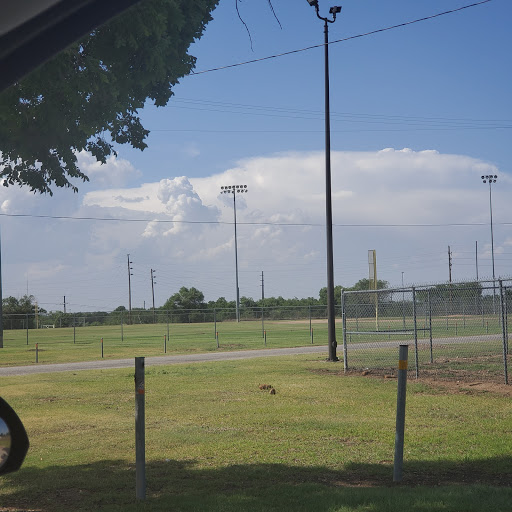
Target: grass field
<point>472,347</point>
<point>216,442</point>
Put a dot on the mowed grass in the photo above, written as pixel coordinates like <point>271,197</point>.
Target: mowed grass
<point>62,345</point>
<point>216,442</point>
<point>85,343</point>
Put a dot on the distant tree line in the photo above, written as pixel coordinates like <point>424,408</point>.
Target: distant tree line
<point>189,305</point>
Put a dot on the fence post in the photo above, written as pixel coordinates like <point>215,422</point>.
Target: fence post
<point>140,431</point>
<point>262,321</point>
<point>102,348</point>
<point>344,330</point>
<point>167,317</point>
<point>215,323</point>
<point>27,328</point>
<point>415,330</point>
<point>265,336</point>
<point>37,352</point>
<point>165,344</point>
<point>504,331</point>
<point>217,338</point>
<point>122,332</point>
<point>400,412</point>
<point>310,327</point>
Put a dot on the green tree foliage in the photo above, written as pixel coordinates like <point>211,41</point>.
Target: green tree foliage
<point>185,299</point>
<point>22,306</point>
<point>88,96</point>
<point>15,310</point>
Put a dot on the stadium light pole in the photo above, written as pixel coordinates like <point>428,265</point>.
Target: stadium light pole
<point>234,190</point>
<point>491,178</point>
<point>331,327</point>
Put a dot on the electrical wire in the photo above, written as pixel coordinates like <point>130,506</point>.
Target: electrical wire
<point>372,32</point>
<point>262,223</point>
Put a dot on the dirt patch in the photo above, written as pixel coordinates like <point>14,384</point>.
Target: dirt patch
<point>459,384</point>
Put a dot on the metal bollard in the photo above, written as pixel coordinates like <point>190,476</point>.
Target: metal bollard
<point>400,413</point>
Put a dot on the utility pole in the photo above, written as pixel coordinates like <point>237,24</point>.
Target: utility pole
<point>129,290</point>
<point>449,265</point>
<point>262,288</point>
<point>476,258</point>
<point>153,292</point>
<point>331,313</point>
<point>64,304</point>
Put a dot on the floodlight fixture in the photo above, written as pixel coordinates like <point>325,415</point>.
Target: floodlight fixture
<point>491,178</point>
<point>331,313</point>
<point>233,189</point>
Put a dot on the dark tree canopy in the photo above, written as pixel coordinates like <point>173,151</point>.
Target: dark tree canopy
<point>89,95</point>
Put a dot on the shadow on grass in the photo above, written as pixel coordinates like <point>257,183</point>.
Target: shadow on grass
<point>483,485</point>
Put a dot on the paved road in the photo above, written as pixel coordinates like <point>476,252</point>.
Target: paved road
<point>159,361</point>
<point>227,356</point>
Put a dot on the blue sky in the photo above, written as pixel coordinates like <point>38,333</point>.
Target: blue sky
<point>418,114</point>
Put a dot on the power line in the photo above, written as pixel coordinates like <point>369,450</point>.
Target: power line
<point>262,223</point>
<point>372,32</point>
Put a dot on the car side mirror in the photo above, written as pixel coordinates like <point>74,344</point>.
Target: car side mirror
<point>13,439</point>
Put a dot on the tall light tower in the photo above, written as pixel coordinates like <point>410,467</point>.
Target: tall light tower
<point>331,326</point>
<point>491,178</point>
<point>234,190</point>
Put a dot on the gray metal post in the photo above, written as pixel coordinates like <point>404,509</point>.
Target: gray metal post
<point>122,331</point>
<point>27,328</point>
<point>167,316</point>
<point>504,331</point>
<point>215,323</point>
<point>506,317</point>
<point>344,330</point>
<point>415,330</point>
<point>140,431</point>
<point>400,413</point>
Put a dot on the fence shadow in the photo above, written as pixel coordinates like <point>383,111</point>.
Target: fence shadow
<point>179,485</point>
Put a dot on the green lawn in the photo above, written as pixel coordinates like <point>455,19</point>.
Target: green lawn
<point>481,354</point>
<point>216,442</point>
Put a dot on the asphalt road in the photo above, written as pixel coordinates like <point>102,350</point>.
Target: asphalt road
<point>228,356</point>
<point>159,360</point>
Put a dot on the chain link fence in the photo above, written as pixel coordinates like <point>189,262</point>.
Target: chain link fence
<point>457,331</point>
